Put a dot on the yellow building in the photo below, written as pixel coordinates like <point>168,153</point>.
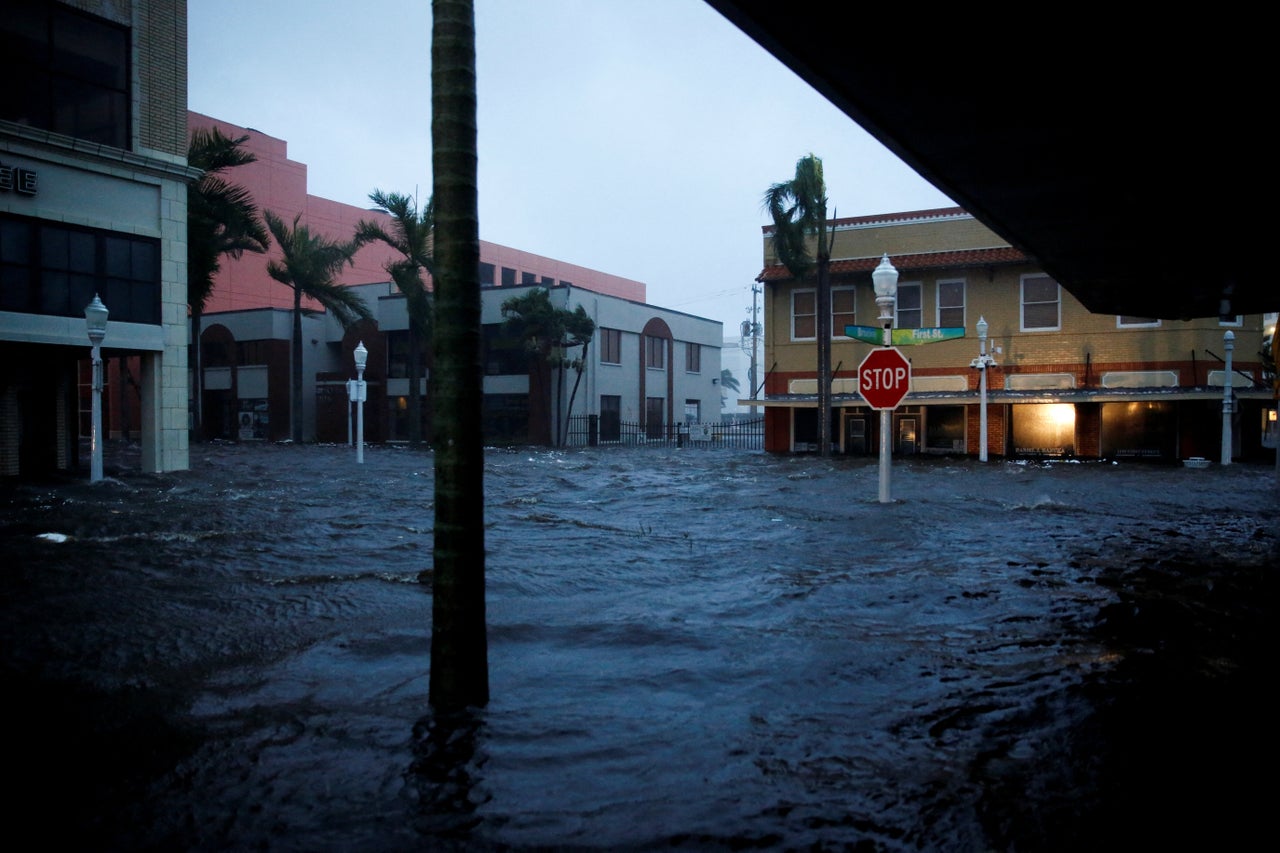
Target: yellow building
<point>1061,381</point>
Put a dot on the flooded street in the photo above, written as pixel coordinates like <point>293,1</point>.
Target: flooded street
<point>689,649</point>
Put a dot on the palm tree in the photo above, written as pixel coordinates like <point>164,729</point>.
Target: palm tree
<point>459,645</point>
<point>310,265</point>
<point>410,235</point>
<point>222,220</point>
<point>798,208</point>
<point>549,333</point>
<point>727,380</point>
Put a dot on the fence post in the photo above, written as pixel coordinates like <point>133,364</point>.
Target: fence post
<point>593,430</point>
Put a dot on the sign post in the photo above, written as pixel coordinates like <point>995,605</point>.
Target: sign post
<point>884,378</point>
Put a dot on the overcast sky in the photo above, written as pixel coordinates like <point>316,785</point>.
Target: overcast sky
<point>635,138</point>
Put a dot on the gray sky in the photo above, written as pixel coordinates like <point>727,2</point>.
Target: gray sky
<point>635,137</point>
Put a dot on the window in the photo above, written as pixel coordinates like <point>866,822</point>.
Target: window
<point>1124,321</point>
<point>501,354</point>
<point>655,352</point>
<point>486,275</point>
<point>398,355</point>
<point>910,306</point>
<point>692,411</point>
<point>1041,304</point>
<point>804,315</point>
<point>548,282</point>
<point>65,71</point>
<point>508,277</point>
<point>842,313</point>
<point>951,303</point>
<point>1237,320</point>
<point>56,270</point>
<point>610,346</point>
<point>528,278</point>
<point>693,358</point>
<point>610,417</point>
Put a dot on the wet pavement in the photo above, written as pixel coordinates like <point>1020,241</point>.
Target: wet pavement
<point>689,649</point>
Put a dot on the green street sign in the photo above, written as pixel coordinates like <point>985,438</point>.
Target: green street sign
<point>866,334</point>
<point>909,337</point>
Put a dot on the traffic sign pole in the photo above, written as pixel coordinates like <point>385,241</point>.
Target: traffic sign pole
<point>884,378</point>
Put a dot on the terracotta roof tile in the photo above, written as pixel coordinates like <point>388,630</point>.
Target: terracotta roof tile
<point>911,263</point>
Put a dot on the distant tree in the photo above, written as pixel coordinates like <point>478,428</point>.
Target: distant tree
<point>459,645</point>
<point>410,234</point>
<point>798,208</point>
<point>222,221</point>
<point>310,267</point>
<point>727,381</point>
<point>549,334</point>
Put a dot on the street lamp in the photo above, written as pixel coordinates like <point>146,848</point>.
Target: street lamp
<point>982,362</point>
<point>362,356</point>
<point>884,279</point>
<point>1228,343</point>
<point>95,318</point>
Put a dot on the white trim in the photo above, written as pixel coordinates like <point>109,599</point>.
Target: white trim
<point>964,301</point>
<point>1022,303</point>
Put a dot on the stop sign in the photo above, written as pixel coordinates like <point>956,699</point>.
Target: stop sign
<point>884,378</point>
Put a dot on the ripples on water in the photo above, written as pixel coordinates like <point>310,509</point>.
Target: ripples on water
<point>690,649</point>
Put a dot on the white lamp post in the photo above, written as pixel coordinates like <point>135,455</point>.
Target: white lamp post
<point>1229,343</point>
<point>95,318</point>
<point>982,362</point>
<point>362,356</point>
<point>884,279</point>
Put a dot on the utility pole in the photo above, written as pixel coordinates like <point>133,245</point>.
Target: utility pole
<point>752,329</point>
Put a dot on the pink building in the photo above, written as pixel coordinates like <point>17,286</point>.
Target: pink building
<point>280,185</point>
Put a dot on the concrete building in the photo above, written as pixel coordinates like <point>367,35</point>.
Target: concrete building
<point>93,200</point>
<point>1065,382</point>
<point>646,364</point>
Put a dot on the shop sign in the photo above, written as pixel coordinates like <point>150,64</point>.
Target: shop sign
<point>16,179</point>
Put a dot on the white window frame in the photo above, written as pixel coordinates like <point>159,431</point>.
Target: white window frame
<point>963,306</point>
<point>1147,322</point>
<point>1234,324</point>
<point>838,333</point>
<point>907,285</point>
<point>1022,303</point>
<point>690,351</point>
<point>794,294</point>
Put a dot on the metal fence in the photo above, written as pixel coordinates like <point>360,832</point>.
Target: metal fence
<point>592,431</point>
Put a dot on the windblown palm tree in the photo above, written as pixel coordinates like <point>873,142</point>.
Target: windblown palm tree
<point>798,208</point>
<point>729,381</point>
<point>222,220</point>
<point>549,334</point>
<point>410,235</point>
<point>310,267</point>
<point>459,645</point>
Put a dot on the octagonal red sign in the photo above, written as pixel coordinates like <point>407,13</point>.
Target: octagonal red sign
<point>884,378</point>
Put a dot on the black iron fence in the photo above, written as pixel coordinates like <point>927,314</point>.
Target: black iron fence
<point>593,430</point>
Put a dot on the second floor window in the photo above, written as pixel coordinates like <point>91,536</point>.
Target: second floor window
<point>65,71</point>
<point>842,313</point>
<point>910,306</point>
<point>1041,304</point>
<point>1125,321</point>
<point>611,346</point>
<point>804,315</point>
<point>693,358</point>
<point>951,304</point>
<point>655,352</point>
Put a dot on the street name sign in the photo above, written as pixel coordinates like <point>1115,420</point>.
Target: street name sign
<point>884,378</point>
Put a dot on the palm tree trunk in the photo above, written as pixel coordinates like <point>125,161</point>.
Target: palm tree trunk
<point>459,645</point>
<point>823,297</point>
<point>568,413</point>
<point>295,401</point>
<point>415,384</point>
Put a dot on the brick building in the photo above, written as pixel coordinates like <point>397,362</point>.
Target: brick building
<point>1065,382</point>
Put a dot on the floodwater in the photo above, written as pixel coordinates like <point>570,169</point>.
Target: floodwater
<point>689,649</point>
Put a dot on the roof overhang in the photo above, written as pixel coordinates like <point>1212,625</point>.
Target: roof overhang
<point>1131,166</point>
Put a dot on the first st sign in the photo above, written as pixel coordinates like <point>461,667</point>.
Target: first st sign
<point>884,378</point>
